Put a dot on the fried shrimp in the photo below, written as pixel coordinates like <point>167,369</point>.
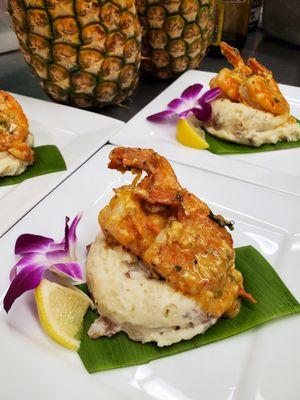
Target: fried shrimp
<point>230,80</point>
<point>251,83</point>
<point>14,129</point>
<point>173,232</point>
<point>262,92</point>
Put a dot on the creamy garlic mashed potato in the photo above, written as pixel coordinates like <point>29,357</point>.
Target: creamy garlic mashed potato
<point>128,298</point>
<point>12,166</point>
<point>242,124</point>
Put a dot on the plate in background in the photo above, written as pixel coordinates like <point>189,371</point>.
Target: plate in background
<point>263,363</point>
<point>77,133</point>
<point>274,169</point>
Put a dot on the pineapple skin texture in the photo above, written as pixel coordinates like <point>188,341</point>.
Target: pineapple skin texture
<point>84,52</point>
<point>176,34</point>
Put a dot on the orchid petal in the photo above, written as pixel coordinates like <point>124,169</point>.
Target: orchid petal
<point>188,102</point>
<point>27,279</point>
<point>184,114</point>
<point>57,246</point>
<point>175,104</point>
<point>204,113</point>
<point>192,92</point>
<point>73,227</point>
<point>57,256</point>
<point>32,258</point>
<point>160,116</point>
<point>66,238</point>
<point>210,95</point>
<point>13,272</point>
<point>72,236</point>
<point>71,269</point>
<point>207,108</point>
<point>28,243</point>
<point>28,259</point>
<point>40,253</point>
<point>21,263</point>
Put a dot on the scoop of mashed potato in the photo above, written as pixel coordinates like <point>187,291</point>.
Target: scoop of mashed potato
<point>242,124</point>
<point>12,166</point>
<point>128,298</point>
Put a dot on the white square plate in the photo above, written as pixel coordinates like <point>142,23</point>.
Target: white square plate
<point>77,133</point>
<point>275,169</point>
<point>262,364</point>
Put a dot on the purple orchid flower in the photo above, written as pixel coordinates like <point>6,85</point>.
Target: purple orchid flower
<point>189,103</point>
<point>39,254</point>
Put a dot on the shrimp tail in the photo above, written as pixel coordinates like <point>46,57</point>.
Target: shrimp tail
<point>233,56</point>
<point>159,171</point>
<point>258,68</point>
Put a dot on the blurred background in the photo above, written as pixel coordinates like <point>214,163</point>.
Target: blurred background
<point>8,40</point>
<point>266,29</point>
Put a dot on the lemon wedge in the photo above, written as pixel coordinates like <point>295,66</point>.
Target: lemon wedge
<point>189,135</point>
<point>61,310</point>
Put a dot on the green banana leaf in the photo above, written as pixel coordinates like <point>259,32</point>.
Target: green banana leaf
<point>220,146</point>
<point>273,301</point>
<point>48,159</point>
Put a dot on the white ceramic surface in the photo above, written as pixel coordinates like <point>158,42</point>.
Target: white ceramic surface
<point>262,364</point>
<point>77,133</point>
<point>277,169</point>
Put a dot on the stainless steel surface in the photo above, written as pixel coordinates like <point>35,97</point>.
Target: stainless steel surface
<point>282,58</point>
<point>281,19</point>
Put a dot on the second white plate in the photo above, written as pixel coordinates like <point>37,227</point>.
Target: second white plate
<point>77,133</point>
<point>275,169</point>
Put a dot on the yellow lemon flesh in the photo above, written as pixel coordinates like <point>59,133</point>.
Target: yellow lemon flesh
<point>61,310</point>
<point>189,135</point>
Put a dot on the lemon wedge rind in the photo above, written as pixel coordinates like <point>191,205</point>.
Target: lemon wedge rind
<point>190,135</point>
<point>61,310</point>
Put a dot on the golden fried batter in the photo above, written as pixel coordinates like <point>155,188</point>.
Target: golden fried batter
<point>14,129</point>
<point>251,83</point>
<point>173,232</point>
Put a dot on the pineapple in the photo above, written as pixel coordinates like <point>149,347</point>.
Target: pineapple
<point>84,52</point>
<point>176,34</point>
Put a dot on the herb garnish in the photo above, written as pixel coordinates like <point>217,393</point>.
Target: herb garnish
<point>221,221</point>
